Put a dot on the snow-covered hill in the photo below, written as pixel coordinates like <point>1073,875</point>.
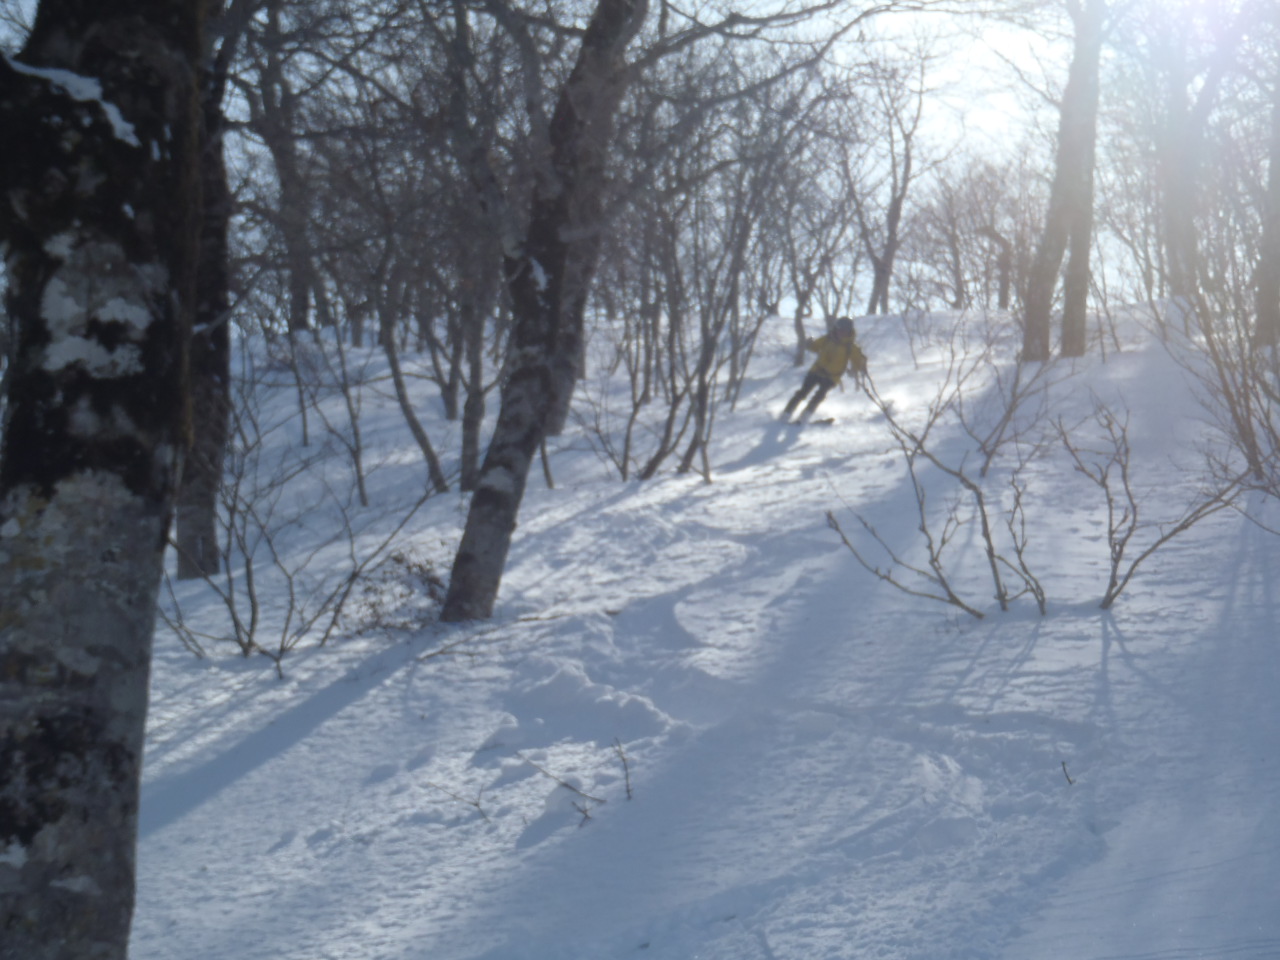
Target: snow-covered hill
<point>698,728</point>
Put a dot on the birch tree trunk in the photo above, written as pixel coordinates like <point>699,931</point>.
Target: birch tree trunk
<point>99,218</point>
<point>548,278</point>
<point>472,336</point>
<point>1072,187</point>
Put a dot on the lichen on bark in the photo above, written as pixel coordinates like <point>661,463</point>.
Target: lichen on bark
<point>97,214</point>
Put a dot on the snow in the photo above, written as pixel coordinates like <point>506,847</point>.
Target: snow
<point>14,855</point>
<point>697,728</point>
<point>499,479</point>
<point>93,356</point>
<point>83,90</point>
<point>94,283</point>
<point>540,279</point>
<point>60,245</point>
<point>83,885</point>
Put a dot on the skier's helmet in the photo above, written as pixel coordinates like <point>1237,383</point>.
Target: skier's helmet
<point>844,325</point>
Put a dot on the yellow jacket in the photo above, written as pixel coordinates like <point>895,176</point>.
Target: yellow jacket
<point>835,356</point>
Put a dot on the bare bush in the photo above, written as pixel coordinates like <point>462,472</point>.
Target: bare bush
<point>967,503</point>
<point>272,493</point>
<point>1109,466</point>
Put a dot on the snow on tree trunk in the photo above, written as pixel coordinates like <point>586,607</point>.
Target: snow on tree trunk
<point>548,281</point>
<point>472,335</point>
<point>98,225</point>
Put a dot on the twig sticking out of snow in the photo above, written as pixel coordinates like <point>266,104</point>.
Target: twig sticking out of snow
<point>564,783</point>
<point>626,765</point>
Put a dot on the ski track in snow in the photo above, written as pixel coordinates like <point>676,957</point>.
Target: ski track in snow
<point>822,767</point>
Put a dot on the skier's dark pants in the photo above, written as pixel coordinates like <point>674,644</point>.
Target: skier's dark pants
<point>811,380</point>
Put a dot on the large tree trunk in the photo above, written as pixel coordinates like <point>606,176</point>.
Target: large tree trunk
<point>472,336</point>
<point>1072,187</point>
<point>1189,99</point>
<point>99,215</point>
<point>1075,282</point>
<point>196,516</point>
<point>1180,151</point>
<point>883,263</point>
<point>548,281</point>
<point>1267,331</point>
<point>278,127</point>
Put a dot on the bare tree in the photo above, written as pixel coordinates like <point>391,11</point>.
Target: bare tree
<point>274,106</point>
<point>693,263</point>
<point>900,98</point>
<point>1220,322</point>
<point>100,221</point>
<point>1267,284</point>
<point>1187,56</point>
<point>209,351</point>
<point>550,253</point>
<point>1109,467</point>
<point>1068,225</point>
<point>967,232</point>
<point>814,220</point>
<point>548,274</point>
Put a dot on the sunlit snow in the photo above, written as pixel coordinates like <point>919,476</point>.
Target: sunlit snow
<point>697,729</point>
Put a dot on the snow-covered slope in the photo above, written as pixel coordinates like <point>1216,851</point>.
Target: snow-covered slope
<point>697,728</point>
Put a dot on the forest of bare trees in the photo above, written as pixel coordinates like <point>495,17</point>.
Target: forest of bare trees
<point>496,197</point>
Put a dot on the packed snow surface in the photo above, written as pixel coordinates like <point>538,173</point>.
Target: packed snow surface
<point>697,729</point>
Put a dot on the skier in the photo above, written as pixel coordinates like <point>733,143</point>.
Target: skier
<point>836,352</point>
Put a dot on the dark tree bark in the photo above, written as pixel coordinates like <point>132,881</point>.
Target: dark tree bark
<point>196,515</point>
<point>882,261</point>
<point>276,122</point>
<point>100,212</point>
<point>1075,281</point>
<point>548,279</point>
<point>1071,191</point>
<point>387,317</point>
<point>902,109</point>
